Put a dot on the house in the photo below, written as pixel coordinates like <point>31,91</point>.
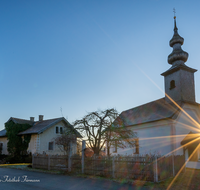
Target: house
<point>169,125</point>
<point>43,134</point>
<point>3,142</point>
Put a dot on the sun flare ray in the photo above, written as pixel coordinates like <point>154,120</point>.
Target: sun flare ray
<point>183,167</point>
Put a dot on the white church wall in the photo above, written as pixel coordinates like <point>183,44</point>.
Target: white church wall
<point>186,124</point>
<point>154,138</point>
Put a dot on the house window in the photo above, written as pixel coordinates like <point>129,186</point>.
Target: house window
<point>50,145</point>
<point>1,148</point>
<point>172,84</point>
<point>136,146</point>
<point>61,130</point>
<point>57,130</point>
<point>115,147</point>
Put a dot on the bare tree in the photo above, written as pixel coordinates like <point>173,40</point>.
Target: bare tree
<point>63,142</point>
<point>119,136</point>
<point>68,136</point>
<point>97,129</point>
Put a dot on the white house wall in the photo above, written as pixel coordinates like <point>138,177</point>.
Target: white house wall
<point>33,144</point>
<point>154,138</point>
<point>47,136</point>
<point>4,141</point>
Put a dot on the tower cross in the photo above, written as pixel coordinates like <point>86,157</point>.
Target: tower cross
<point>174,10</point>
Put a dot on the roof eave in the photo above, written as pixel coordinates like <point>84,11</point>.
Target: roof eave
<point>3,136</point>
<point>21,133</point>
<point>183,67</point>
<point>171,117</point>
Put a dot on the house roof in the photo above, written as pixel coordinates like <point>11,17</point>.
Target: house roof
<point>20,121</point>
<point>152,111</point>
<point>40,126</point>
<point>3,133</point>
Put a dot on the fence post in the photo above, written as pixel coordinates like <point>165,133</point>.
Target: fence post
<point>113,167</point>
<point>69,156</point>
<point>33,161</point>
<point>48,162</point>
<point>184,162</point>
<point>83,154</point>
<point>156,170</point>
<point>173,164</point>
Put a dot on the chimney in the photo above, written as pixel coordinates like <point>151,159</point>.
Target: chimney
<point>41,117</point>
<point>31,118</point>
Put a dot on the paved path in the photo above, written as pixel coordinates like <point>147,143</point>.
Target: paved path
<point>55,182</point>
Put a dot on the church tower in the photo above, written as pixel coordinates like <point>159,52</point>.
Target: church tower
<point>179,79</point>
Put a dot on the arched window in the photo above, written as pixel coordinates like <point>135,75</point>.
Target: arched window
<point>137,146</point>
<point>172,84</point>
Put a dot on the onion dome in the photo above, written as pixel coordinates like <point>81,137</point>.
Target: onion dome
<point>178,56</point>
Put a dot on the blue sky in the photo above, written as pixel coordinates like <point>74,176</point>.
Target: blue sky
<point>88,55</point>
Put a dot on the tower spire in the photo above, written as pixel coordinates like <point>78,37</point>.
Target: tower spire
<point>179,78</point>
<point>178,56</point>
<point>175,28</point>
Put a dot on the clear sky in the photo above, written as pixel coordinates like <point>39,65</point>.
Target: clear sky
<point>88,55</point>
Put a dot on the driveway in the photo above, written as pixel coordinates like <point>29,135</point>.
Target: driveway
<point>13,179</point>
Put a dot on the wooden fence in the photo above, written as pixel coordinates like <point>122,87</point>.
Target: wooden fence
<point>169,166</point>
<point>101,166</point>
<point>76,164</point>
<point>143,167</point>
<point>50,162</point>
<point>135,167</point>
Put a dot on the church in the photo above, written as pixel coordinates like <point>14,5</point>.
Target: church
<point>169,125</point>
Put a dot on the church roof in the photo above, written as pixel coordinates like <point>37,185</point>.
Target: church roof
<point>152,111</point>
<point>191,136</point>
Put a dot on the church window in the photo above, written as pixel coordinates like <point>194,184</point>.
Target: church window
<point>172,84</point>
<point>136,146</point>
<point>115,147</point>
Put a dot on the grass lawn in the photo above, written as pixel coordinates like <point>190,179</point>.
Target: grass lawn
<point>189,180</point>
